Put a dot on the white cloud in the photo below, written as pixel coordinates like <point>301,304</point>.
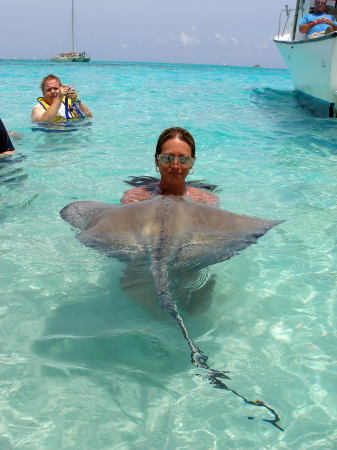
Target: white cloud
<point>265,43</point>
<point>187,39</point>
<point>223,40</point>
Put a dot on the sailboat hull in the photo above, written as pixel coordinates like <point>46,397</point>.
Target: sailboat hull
<point>60,58</point>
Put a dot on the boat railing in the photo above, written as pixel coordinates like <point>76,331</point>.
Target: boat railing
<point>286,23</point>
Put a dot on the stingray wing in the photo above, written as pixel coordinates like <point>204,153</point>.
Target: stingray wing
<point>213,235</point>
<point>79,214</point>
<point>210,247</point>
<point>125,232</point>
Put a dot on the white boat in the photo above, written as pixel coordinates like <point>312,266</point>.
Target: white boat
<point>72,56</point>
<point>312,63</point>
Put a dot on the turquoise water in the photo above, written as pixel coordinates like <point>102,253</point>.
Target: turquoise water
<point>81,365</point>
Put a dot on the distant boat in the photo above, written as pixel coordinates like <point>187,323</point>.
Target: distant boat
<point>72,56</point>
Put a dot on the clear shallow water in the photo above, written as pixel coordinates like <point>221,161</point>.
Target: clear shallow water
<point>83,366</point>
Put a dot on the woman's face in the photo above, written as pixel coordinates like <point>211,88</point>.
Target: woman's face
<point>175,171</point>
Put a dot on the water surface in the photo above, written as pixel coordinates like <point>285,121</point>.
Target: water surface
<point>83,366</point>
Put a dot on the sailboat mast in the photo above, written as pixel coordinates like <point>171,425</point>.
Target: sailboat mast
<point>72,25</point>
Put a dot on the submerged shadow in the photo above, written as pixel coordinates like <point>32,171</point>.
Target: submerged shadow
<point>278,102</point>
<point>296,119</point>
<point>11,173</point>
<point>291,103</point>
<point>13,195</point>
<point>108,331</point>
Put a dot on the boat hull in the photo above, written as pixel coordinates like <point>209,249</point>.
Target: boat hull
<point>70,59</point>
<point>312,64</point>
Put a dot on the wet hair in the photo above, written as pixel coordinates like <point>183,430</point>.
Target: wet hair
<point>47,78</point>
<point>171,133</point>
<point>150,183</point>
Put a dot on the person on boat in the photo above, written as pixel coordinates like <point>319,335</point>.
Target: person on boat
<point>318,23</point>
<point>6,146</point>
<point>174,158</point>
<point>59,102</point>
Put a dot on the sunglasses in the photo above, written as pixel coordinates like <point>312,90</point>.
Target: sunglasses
<point>320,3</point>
<point>186,161</point>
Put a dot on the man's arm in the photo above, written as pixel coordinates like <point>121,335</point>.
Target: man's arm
<point>85,110</point>
<point>39,114</point>
<point>304,28</point>
<point>50,115</point>
<point>307,26</point>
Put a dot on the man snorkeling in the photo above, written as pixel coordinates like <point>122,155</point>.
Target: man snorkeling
<point>59,102</point>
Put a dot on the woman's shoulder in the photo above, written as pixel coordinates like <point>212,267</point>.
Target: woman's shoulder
<point>202,196</point>
<point>149,191</point>
<point>137,194</point>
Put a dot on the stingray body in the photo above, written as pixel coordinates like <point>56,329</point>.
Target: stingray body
<point>165,233</point>
<point>184,232</point>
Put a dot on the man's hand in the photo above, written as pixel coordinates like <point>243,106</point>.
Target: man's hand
<point>325,20</point>
<point>71,93</point>
<point>9,152</point>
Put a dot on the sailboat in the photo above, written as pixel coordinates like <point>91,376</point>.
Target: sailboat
<point>72,56</point>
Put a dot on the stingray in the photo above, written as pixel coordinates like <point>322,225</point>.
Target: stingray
<point>166,233</point>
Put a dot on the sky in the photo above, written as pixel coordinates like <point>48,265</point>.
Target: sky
<point>176,31</point>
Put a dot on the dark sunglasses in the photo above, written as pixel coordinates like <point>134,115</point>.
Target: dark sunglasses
<point>186,161</point>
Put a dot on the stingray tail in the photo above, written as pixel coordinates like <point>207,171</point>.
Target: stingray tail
<point>198,357</point>
<point>164,291</point>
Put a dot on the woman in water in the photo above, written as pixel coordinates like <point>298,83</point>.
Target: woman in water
<point>174,158</point>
